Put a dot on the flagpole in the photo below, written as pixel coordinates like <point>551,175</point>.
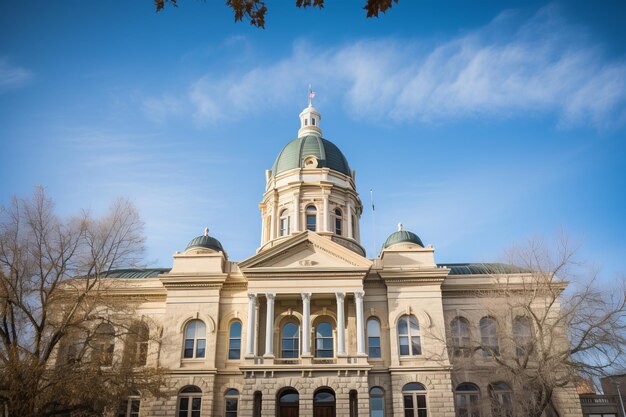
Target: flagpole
<point>373,220</point>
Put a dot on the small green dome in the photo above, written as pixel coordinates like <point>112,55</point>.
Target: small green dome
<point>327,153</point>
<point>402,236</point>
<point>207,242</point>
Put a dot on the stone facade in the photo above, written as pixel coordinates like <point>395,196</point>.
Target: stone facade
<point>311,271</point>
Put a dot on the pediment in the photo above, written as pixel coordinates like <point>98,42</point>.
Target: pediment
<point>306,251</point>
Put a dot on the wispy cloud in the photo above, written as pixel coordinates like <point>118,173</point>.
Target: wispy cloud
<point>12,76</point>
<point>512,67</point>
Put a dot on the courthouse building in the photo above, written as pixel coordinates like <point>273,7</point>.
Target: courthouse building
<point>310,326</point>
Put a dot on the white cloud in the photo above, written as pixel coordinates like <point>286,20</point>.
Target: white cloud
<point>12,76</point>
<point>509,68</point>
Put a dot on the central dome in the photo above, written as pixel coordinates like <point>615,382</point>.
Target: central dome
<point>295,152</point>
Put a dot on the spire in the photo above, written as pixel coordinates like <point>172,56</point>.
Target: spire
<point>310,118</point>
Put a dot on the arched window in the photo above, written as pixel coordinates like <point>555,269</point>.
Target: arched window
<point>324,340</point>
<point>414,395</point>
<point>324,402</point>
<point>409,336</point>
<point>104,344</point>
<point>136,348</point>
<point>501,399</point>
<point>313,121</point>
<point>460,333</point>
<point>290,344</point>
<point>284,223</point>
<point>189,402</point>
<point>195,339</point>
<point>288,402</point>
<point>234,340</point>
<point>311,218</point>
<point>523,336</point>
<point>377,402</point>
<point>489,336</point>
<point>354,403</point>
<point>467,400</point>
<point>129,407</point>
<point>338,222</point>
<point>231,399</point>
<point>373,338</point>
<point>257,405</point>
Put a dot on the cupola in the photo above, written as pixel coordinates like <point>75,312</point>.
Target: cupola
<point>205,242</point>
<point>402,236</point>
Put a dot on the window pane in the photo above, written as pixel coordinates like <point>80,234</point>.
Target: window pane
<point>231,404</point>
<point>417,348</point>
<point>376,407</point>
<point>234,354</point>
<point>200,328</point>
<point>324,330</point>
<point>235,329</point>
<point>290,330</point>
<point>408,401</point>
<point>402,326</point>
<point>422,413</point>
<point>404,346</point>
<point>134,406</point>
<point>190,333</point>
<point>415,327</point>
<point>184,404</point>
<point>235,343</point>
<point>195,403</point>
<point>373,328</point>
<point>374,352</point>
<point>200,348</point>
<point>188,348</point>
<point>421,401</point>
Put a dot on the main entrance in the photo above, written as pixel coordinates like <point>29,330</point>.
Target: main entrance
<point>324,403</point>
<point>288,403</point>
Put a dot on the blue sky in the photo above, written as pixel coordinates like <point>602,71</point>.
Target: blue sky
<point>478,124</point>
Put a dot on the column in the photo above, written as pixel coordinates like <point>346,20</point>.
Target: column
<point>269,326</point>
<point>341,325</point>
<point>326,214</point>
<point>296,212</point>
<point>306,324</point>
<point>250,330</point>
<point>272,230</point>
<point>348,219</point>
<point>360,328</point>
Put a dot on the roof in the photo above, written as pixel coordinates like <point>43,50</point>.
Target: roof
<point>207,242</point>
<point>483,268</point>
<point>327,153</point>
<point>137,273</point>
<point>402,236</point>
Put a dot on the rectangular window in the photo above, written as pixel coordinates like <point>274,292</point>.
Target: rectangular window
<point>373,344</point>
<point>235,348</point>
<point>231,407</point>
<point>310,222</point>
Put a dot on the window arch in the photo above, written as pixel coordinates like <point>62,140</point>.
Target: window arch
<point>409,336</point>
<point>377,402</point>
<point>104,344</point>
<point>324,401</point>
<point>338,222</point>
<point>195,339</point>
<point>311,218</point>
<point>460,334</point>
<point>290,340</point>
<point>467,400</point>
<point>234,340</point>
<point>288,402</point>
<point>523,336</point>
<point>283,223</point>
<point>130,406</point>
<point>136,348</point>
<point>489,336</point>
<point>257,405</point>
<point>414,395</point>
<point>231,402</point>
<point>373,338</point>
<point>324,340</point>
<point>501,399</point>
<point>189,402</point>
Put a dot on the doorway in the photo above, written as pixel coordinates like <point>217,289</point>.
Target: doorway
<point>288,403</point>
<point>324,403</point>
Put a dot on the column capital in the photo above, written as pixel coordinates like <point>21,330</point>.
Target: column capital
<point>270,295</point>
<point>306,296</point>
<point>252,296</point>
<point>359,295</point>
<point>340,296</point>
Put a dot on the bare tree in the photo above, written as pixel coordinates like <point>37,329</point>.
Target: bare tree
<point>59,319</point>
<point>539,333</point>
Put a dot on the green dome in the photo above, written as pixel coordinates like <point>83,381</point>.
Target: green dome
<point>328,155</point>
<point>402,236</point>
<point>207,242</point>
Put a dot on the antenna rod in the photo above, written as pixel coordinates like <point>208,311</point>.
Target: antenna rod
<point>373,219</point>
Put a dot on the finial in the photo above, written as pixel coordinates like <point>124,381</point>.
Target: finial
<point>311,96</point>
<point>206,231</point>
<point>399,227</point>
